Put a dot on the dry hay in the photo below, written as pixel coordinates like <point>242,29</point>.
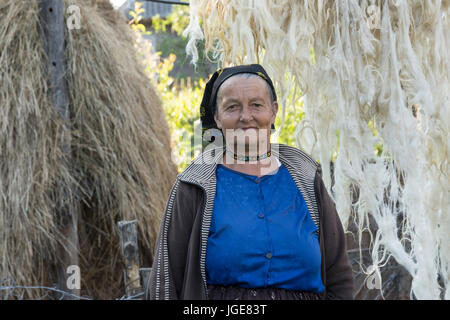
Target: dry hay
<point>121,166</point>
<point>379,63</point>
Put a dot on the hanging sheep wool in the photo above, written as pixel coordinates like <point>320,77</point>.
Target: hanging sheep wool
<point>361,66</point>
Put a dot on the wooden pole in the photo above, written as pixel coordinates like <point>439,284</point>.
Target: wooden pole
<point>145,275</point>
<point>52,28</point>
<point>130,255</point>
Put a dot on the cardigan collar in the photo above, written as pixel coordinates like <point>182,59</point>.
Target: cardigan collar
<point>202,169</point>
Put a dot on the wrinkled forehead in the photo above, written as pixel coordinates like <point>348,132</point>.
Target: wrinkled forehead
<point>244,86</point>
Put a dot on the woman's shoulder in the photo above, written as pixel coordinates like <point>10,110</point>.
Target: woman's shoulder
<point>203,165</point>
<point>296,156</point>
<point>291,150</point>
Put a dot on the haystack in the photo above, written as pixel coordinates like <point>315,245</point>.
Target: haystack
<point>120,167</point>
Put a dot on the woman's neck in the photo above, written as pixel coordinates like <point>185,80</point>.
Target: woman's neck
<point>256,168</point>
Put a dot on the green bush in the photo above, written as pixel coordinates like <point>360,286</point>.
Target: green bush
<point>169,31</point>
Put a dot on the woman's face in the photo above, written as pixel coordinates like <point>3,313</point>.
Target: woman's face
<point>244,110</point>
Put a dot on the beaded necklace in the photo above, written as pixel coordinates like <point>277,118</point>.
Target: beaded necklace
<point>249,158</point>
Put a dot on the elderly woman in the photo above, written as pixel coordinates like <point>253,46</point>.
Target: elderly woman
<point>249,219</point>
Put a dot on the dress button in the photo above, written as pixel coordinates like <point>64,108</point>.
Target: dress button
<point>257,180</point>
<point>268,255</point>
<point>261,215</point>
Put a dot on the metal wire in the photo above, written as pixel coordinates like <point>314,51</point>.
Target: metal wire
<point>64,293</point>
<point>166,2</point>
<point>10,290</point>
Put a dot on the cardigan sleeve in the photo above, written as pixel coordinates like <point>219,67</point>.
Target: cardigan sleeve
<point>168,269</point>
<point>338,270</point>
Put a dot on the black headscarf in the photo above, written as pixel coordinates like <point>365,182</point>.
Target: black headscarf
<point>208,105</point>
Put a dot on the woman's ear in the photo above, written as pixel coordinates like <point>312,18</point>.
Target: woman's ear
<point>275,111</point>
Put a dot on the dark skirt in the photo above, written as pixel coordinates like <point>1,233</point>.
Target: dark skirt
<point>217,292</point>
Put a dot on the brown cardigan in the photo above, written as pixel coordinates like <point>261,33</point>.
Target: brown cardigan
<point>178,270</point>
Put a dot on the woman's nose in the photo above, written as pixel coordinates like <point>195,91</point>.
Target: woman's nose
<point>246,114</point>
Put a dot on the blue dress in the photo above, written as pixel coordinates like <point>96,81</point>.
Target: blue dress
<point>262,234</point>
